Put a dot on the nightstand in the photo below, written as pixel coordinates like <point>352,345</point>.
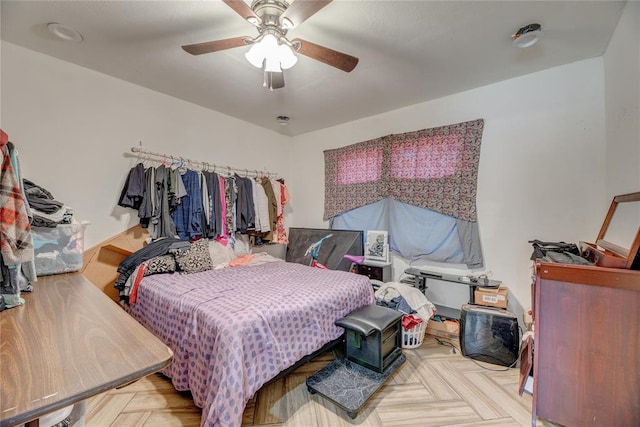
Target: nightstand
<point>376,271</point>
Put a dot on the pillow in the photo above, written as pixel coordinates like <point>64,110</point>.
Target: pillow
<point>160,264</point>
<point>195,259</point>
<point>220,254</point>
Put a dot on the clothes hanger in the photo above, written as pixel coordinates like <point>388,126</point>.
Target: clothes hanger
<point>139,157</point>
<point>183,167</point>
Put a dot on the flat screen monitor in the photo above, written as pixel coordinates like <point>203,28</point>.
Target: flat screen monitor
<point>332,251</point>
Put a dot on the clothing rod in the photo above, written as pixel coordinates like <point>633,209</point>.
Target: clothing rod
<point>205,166</point>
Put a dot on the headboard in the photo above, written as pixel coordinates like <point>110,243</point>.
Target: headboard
<point>333,250</point>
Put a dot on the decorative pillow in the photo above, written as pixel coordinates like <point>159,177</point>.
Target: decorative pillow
<point>160,264</point>
<point>195,259</point>
<point>221,255</point>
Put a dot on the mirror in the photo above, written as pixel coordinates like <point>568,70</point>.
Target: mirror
<point>620,229</point>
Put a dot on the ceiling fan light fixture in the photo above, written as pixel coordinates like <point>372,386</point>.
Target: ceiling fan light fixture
<point>272,64</point>
<point>527,36</point>
<point>255,55</point>
<point>270,44</point>
<point>276,55</point>
<point>287,58</point>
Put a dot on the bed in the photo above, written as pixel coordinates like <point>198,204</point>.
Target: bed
<point>232,330</point>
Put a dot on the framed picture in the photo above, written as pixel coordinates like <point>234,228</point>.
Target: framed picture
<point>377,246</point>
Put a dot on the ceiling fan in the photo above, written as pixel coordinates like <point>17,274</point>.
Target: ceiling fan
<point>271,50</point>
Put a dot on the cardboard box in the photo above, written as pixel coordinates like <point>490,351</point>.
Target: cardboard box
<point>449,329</point>
<point>492,297</point>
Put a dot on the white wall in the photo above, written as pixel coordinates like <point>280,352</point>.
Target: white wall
<point>542,162</point>
<point>622,85</point>
<point>545,170</point>
<point>74,128</point>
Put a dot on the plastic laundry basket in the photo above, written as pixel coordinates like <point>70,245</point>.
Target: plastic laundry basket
<point>412,338</point>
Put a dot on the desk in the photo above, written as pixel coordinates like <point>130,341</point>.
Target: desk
<point>67,343</point>
<point>420,277</point>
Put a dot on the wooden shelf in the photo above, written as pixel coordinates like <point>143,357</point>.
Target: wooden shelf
<point>118,249</point>
<point>101,261</point>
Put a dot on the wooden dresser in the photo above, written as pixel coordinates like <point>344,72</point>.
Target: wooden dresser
<point>586,359</point>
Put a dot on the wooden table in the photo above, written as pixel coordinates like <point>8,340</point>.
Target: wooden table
<point>67,343</point>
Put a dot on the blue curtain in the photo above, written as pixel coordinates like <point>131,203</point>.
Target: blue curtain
<point>414,233</point>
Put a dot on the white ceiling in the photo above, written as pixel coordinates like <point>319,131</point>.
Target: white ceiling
<point>409,51</point>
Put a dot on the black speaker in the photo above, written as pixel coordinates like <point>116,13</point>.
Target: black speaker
<point>489,335</point>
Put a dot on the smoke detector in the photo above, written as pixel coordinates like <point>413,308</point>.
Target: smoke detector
<point>527,36</point>
<point>64,32</point>
<point>283,120</point>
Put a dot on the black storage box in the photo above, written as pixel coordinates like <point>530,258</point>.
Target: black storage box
<point>373,336</point>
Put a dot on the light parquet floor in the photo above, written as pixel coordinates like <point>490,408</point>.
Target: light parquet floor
<point>434,387</point>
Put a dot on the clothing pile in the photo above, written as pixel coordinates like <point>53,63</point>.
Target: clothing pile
<point>132,268</point>
<point>405,298</point>
<point>45,209</point>
<point>194,204</point>
<point>58,239</point>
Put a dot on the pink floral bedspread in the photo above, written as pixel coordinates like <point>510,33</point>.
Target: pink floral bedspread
<point>234,329</point>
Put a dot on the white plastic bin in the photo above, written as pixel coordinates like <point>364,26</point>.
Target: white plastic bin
<point>58,250</point>
<point>412,338</point>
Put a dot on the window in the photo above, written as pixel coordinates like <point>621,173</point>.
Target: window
<point>434,169</point>
<point>426,158</point>
<point>360,166</point>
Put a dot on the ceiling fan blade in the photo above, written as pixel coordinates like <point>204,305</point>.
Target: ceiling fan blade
<point>340,60</point>
<point>208,47</point>
<point>243,9</point>
<point>301,10</point>
<point>274,80</point>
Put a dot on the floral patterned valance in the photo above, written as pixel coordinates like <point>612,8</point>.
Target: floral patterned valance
<point>435,168</point>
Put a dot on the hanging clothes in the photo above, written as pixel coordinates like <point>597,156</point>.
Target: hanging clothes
<point>206,204</point>
<point>281,232</point>
<point>245,213</point>
<point>149,198</point>
<point>223,208</point>
<point>162,224</point>
<point>173,201</point>
<point>176,188</point>
<point>4,138</point>
<point>261,204</point>
<point>188,213</point>
<point>272,207</point>
<point>230,198</point>
<point>215,204</point>
<point>133,190</point>
<point>16,241</point>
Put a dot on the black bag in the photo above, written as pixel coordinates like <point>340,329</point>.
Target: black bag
<point>541,248</point>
